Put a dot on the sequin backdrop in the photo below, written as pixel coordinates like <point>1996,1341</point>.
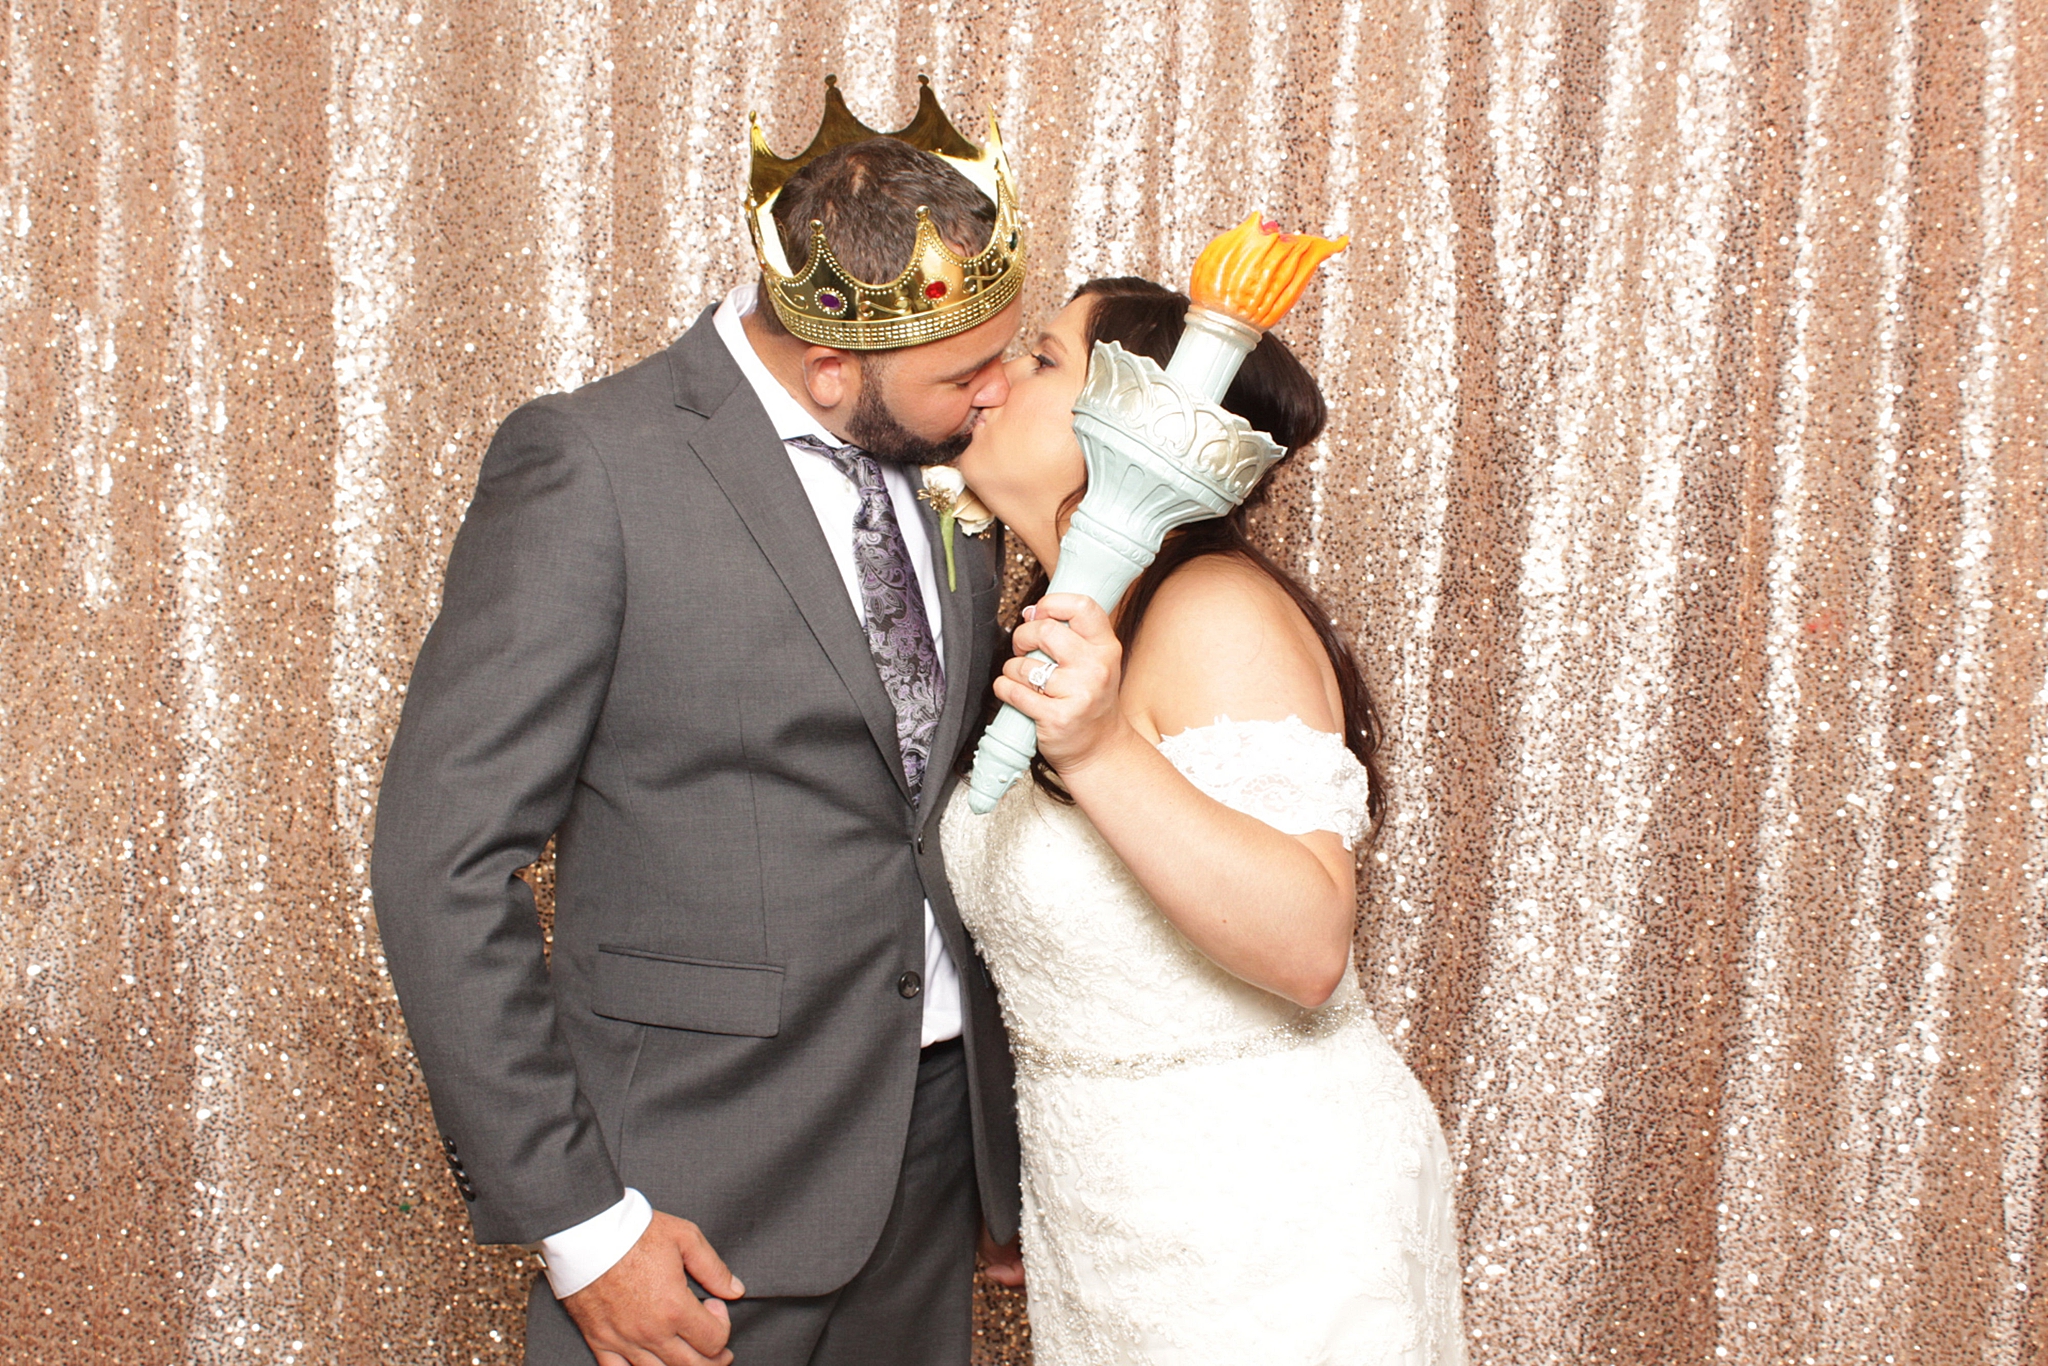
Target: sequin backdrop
<point>1684,495</point>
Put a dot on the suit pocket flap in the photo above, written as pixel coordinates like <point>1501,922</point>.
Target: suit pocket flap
<point>687,993</point>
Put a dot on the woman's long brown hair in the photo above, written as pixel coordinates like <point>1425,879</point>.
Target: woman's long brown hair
<point>1277,395</point>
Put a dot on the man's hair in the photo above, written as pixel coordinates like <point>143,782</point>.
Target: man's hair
<point>867,195</point>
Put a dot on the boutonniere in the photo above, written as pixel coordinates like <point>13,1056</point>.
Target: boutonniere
<point>946,491</point>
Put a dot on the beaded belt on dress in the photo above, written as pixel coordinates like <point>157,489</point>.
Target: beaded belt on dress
<point>1035,1059</point>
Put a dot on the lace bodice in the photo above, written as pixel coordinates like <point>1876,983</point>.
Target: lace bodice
<point>1211,1175</point>
<point>1129,987</point>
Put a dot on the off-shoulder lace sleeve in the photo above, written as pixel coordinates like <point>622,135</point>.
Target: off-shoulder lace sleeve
<point>1292,777</point>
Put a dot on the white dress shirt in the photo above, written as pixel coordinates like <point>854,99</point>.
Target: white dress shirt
<point>577,1256</point>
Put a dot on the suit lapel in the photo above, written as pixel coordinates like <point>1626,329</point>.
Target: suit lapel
<point>739,447</point>
<point>957,628</point>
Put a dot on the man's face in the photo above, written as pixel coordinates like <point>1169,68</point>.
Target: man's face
<point>917,406</point>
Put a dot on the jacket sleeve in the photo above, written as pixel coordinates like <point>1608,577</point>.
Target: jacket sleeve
<point>498,715</point>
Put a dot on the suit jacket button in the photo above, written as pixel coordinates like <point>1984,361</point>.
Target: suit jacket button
<point>920,841</point>
<point>908,985</point>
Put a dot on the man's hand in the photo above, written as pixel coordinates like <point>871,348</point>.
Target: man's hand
<point>642,1312</point>
<point>1002,1263</point>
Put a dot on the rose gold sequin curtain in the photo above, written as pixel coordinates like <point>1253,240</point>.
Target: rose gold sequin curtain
<point>1684,493</point>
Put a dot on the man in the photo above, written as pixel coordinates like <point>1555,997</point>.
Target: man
<point>697,629</point>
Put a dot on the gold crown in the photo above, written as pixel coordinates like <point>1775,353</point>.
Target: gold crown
<point>940,292</point>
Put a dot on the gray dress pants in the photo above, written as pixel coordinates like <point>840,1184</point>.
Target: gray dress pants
<point>910,1305</point>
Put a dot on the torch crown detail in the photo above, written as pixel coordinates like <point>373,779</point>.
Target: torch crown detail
<point>1133,397</point>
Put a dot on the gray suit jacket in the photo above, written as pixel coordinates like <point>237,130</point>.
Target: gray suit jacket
<point>646,651</point>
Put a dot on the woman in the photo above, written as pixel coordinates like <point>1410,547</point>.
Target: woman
<point>1224,1160</point>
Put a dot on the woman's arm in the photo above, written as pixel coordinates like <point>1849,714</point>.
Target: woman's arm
<point>1219,640</point>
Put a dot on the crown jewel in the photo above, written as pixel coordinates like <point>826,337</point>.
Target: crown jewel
<point>939,292</point>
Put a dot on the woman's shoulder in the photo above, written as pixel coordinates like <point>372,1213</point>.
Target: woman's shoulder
<point>1223,593</point>
<point>1220,637</point>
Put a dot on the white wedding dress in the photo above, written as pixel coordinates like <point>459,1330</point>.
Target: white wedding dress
<point>1211,1174</point>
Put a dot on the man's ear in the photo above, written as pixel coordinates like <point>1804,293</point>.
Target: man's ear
<point>831,377</point>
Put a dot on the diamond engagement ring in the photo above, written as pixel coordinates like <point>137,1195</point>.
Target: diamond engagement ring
<point>1039,676</point>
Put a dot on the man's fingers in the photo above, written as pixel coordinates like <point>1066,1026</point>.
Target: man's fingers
<point>645,1356</point>
<point>658,1348</point>
<point>645,1312</point>
<point>671,1350</point>
<point>683,1354</point>
<point>680,1353</point>
<point>1002,1263</point>
<point>702,1261</point>
<point>703,1329</point>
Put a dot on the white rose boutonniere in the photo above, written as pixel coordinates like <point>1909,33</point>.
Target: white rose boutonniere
<point>946,491</point>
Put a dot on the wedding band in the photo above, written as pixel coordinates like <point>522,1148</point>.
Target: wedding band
<point>1039,676</point>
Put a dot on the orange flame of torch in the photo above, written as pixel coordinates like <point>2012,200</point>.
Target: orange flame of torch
<point>1255,272</point>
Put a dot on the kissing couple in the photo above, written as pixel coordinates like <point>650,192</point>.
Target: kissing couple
<point>811,1036</point>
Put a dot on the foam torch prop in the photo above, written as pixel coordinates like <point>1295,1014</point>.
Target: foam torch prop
<point>1160,451</point>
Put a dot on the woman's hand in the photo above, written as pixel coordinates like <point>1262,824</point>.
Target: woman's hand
<point>1078,717</point>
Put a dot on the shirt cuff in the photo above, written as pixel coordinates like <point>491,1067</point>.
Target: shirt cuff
<point>577,1256</point>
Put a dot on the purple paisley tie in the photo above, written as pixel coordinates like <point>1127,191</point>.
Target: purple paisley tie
<point>899,635</point>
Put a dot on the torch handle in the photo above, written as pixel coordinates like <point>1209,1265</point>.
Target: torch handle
<point>1135,496</point>
<point>1096,562</point>
<point>1211,348</point>
<point>1004,753</point>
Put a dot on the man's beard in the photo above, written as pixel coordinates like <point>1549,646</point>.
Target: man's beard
<point>873,428</point>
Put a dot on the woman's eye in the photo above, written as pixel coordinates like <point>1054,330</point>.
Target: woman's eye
<point>1044,361</point>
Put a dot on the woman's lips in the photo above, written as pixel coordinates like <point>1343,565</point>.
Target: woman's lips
<point>974,426</point>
